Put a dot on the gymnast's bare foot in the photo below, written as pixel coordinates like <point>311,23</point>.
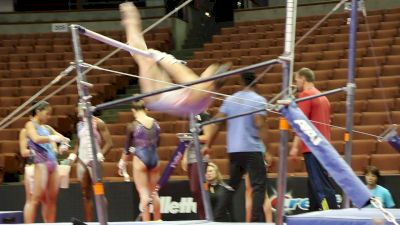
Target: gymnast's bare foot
<point>130,15</point>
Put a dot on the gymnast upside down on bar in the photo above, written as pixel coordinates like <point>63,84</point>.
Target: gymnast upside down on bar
<point>164,67</point>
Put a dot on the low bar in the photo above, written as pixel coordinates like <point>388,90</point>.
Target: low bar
<point>334,91</point>
<point>110,41</point>
<point>265,109</point>
<point>230,117</point>
<point>219,76</point>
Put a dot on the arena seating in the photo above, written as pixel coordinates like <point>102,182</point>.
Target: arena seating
<point>377,97</point>
<point>28,62</point>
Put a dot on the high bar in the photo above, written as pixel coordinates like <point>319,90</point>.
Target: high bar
<point>110,41</point>
<point>219,76</point>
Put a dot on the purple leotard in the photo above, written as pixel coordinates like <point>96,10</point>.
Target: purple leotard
<point>145,140</point>
<point>43,153</point>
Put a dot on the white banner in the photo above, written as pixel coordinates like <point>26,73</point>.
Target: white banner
<point>59,27</point>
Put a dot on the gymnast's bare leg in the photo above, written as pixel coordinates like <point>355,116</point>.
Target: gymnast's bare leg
<point>166,69</point>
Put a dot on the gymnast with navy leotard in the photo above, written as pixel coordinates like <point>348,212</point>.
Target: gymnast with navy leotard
<point>142,142</point>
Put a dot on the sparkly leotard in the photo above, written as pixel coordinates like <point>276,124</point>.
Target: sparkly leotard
<point>145,141</point>
<point>43,153</point>
<point>85,145</point>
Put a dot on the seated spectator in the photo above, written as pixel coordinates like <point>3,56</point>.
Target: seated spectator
<point>216,186</point>
<point>371,178</point>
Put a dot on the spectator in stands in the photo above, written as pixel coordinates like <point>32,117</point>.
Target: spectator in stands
<point>320,189</point>
<point>249,200</point>
<point>46,180</point>
<point>166,68</point>
<point>142,140</point>
<point>83,151</point>
<point>189,164</point>
<point>216,188</point>
<point>372,175</point>
<point>245,146</point>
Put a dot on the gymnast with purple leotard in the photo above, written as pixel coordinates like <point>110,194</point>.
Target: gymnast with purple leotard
<point>41,141</point>
<point>142,141</point>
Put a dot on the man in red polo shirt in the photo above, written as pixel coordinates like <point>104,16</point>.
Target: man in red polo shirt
<point>320,189</point>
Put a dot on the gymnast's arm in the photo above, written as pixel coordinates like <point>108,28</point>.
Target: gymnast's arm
<point>260,124</point>
<point>53,131</point>
<point>34,136</point>
<point>294,151</point>
<point>23,144</point>
<point>105,135</point>
<point>129,140</point>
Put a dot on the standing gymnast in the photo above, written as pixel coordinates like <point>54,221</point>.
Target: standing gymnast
<point>41,139</point>
<point>85,159</point>
<point>164,67</point>
<point>29,171</point>
<point>142,140</point>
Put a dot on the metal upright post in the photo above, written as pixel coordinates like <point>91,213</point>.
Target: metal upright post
<point>287,77</point>
<point>194,130</point>
<point>348,137</point>
<point>98,188</point>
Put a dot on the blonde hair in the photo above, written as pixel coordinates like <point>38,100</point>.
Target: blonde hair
<point>138,105</point>
<point>220,180</point>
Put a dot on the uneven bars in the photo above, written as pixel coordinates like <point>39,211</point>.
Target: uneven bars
<point>334,91</point>
<point>230,117</point>
<point>219,76</point>
<point>110,41</point>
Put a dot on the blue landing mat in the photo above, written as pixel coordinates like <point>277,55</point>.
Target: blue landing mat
<point>342,217</point>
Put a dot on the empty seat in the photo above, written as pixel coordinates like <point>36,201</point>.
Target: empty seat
<point>341,107</point>
<point>339,119</point>
<point>363,94</point>
<point>339,146</point>
<point>110,169</point>
<point>369,129</point>
<point>390,70</point>
<point>166,152</point>
<point>168,139</point>
<point>379,105</point>
<point>385,148</point>
<point>296,165</point>
<point>113,155</point>
<point>119,141</point>
<point>367,71</point>
<point>359,163</point>
<point>13,162</point>
<point>373,118</point>
<point>373,61</point>
<point>361,147</point>
<point>363,83</point>
<point>386,163</point>
<point>395,115</point>
<point>386,92</point>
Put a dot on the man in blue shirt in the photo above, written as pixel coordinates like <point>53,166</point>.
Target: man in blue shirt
<point>372,175</point>
<point>245,146</point>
